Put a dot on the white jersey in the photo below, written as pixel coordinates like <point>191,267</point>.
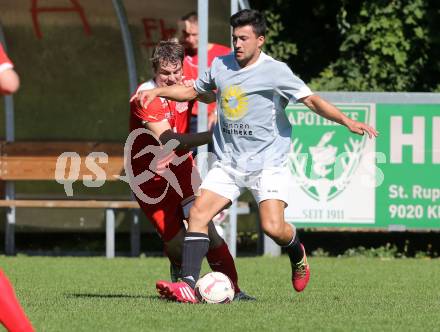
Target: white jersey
<point>252,131</point>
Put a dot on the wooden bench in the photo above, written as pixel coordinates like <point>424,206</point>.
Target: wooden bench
<point>31,161</point>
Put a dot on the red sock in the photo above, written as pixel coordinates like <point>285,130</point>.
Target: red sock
<point>172,260</point>
<point>220,260</point>
<point>12,315</point>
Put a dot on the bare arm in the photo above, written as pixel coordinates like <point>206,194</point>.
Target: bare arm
<point>206,98</point>
<point>174,92</point>
<point>9,82</point>
<point>163,131</point>
<point>325,109</point>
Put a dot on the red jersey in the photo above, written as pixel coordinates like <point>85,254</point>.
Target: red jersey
<point>177,114</point>
<point>5,62</point>
<point>190,68</point>
<point>164,190</point>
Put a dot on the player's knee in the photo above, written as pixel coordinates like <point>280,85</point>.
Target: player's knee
<point>198,217</point>
<point>273,228</point>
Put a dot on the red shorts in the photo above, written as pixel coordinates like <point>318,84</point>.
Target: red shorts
<point>167,215</point>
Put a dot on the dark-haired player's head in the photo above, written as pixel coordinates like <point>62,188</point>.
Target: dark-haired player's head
<point>248,34</point>
<point>189,32</point>
<point>250,17</point>
<point>167,60</point>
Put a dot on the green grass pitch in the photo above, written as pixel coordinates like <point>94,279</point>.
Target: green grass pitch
<point>344,294</point>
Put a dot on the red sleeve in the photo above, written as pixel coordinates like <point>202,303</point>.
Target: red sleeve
<point>5,62</point>
<point>153,113</point>
<point>189,69</point>
<point>217,50</point>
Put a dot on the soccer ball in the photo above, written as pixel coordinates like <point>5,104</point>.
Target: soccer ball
<point>214,287</point>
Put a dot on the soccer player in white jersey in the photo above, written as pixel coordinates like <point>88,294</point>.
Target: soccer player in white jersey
<point>251,142</point>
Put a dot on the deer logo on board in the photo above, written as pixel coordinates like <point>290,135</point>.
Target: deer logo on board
<point>324,158</point>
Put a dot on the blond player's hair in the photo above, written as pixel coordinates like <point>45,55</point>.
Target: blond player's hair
<point>167,51</point>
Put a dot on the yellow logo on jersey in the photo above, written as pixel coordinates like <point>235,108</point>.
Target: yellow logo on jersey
<point>234,102</point>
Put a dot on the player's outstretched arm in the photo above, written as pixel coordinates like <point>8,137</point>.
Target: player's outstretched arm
<point>164,133</point>
<point>173,92</point>
<point>325,109</point>
<point>206,98</point>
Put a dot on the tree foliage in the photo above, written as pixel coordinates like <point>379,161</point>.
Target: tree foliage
<point>385,48</point>
<point>368,45</point>
<point>309,25</point>
<point>275,46</point>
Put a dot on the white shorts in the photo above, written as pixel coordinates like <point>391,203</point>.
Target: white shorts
<point>271,183</point>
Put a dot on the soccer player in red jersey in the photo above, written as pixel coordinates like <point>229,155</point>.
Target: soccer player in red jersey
<point>189,37</point>
<point>12,315</point>
<point>164,176</point>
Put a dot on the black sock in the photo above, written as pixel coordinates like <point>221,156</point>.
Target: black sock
<point>195,247</point>
<point>294,250</point>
